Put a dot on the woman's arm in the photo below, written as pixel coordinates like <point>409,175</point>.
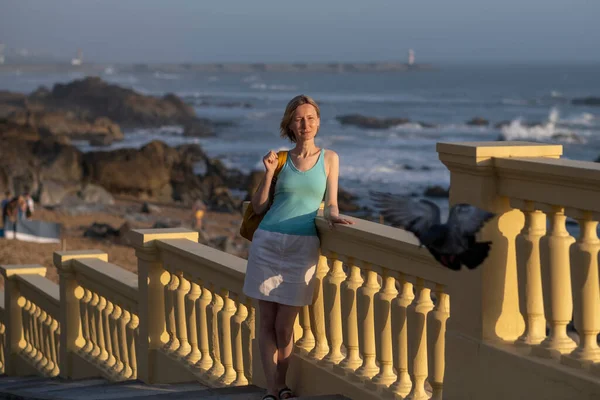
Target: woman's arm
<point>260,200</point>
<point>331,212</point>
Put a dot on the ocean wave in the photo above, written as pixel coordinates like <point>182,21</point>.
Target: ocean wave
<point>550,130</point>
<point>264,86</point>
<point>166,76</point>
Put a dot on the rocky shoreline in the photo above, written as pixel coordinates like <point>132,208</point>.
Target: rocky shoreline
<point>37,155</point>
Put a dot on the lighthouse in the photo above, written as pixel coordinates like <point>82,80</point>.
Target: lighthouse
<point>2,46</point>
<point>411,57</point>
<point>79,59</point>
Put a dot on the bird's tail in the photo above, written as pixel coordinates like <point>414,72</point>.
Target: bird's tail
<point>476,254</point>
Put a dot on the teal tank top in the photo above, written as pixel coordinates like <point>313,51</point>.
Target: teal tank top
<point>298,195</point>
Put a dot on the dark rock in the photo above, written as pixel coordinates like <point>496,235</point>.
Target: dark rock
<point>436,192</point>
<point>53,193</point>
<point>95,194</point>
<point>370,122</point>
<point>478,121</point>
<point>221,200</point>
<point>502,124</point>
<point>427,125</point>
<point>67,123</point>
<point>568,137</point>
<point>148,208</point>
<point>425,168</point>
<point>145,173</point>
<point>347,202</point>
<point>587,101</point>
<point>101,231</point>
<point>408,167</point>
<point>165,225</point>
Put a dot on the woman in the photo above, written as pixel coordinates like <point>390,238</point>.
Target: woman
<point>285,247</point>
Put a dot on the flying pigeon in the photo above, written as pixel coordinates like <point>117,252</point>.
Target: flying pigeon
<point>452,244</point>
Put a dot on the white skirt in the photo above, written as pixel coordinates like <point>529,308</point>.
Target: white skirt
<point>281,268</point>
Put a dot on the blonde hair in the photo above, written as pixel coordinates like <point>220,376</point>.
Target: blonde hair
<point>284,127</point>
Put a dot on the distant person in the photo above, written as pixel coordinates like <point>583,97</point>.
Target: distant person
<point>198,211</point>
<point>7,198</point>
<point>11,210</point>
<point>285,247</point>
<point>30,204</point>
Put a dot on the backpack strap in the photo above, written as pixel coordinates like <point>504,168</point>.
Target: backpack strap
<point>281,159</point>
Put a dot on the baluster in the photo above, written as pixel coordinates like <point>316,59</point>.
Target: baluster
<point>94,314</point>
<point>238,346</point>
<point>123,322</point>
<point>248,337</point>
<point>85,321</point>
<point>53,347</point>
<point>556,276</point>
<point>205,362</point>
<point>217,369</point>
<point>173,342</point>
<point>39,355</point>
<point>50,366</point>
<point>418,339</point>
<point>109,327</point>
<point>102,329</point>
<point>366,327</point>
<point>350,319</point>
<point>586,293</point>
<point>383,325</point>
<point>194,294</point>
<point>226,313</point>
<point>317,312</point>
<point>132,326</point>
<point>403,384</point>
<point>182,289</point>
<point>116,314</point>
<point>437,340</point>
<point>41,322</point>
<point>28,328</point>
<point>333,312</point>
<point>530,275</point>
<point>307,342</point>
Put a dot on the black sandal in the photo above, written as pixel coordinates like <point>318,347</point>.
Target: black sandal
<point>286,391</point>
<point>269,397</point>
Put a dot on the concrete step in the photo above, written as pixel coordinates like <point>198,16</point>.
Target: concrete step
<point>35,388</point>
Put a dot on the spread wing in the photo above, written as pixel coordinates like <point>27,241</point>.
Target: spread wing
<point>466,220</point>
<point>403,212</point>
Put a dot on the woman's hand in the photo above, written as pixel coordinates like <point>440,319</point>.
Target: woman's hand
<point>270,161</point>
<point>335,219</point>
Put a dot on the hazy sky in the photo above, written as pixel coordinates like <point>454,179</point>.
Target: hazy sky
<point>306,31</point>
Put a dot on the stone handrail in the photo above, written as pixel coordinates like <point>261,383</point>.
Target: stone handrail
<point>536,280</point>
<point>31,316</point>
<point>207,320</point>
<point>102,316</point>
<point>208,323</point>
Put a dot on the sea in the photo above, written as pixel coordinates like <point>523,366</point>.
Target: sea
<point>533,102</point>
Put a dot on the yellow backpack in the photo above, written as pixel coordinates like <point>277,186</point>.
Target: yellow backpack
<point>251,220</point>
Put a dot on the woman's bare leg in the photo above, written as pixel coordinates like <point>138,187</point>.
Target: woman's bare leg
<point>267,343</point>
<point>284,330</point>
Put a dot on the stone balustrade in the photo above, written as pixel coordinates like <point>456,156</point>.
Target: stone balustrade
<point>524,324</point>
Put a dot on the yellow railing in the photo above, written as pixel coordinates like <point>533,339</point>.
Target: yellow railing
<point>31,320</point>
<point>536,280</point>
<point>378,319</point>
<point>380,324</point>
<point>101,311</point>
